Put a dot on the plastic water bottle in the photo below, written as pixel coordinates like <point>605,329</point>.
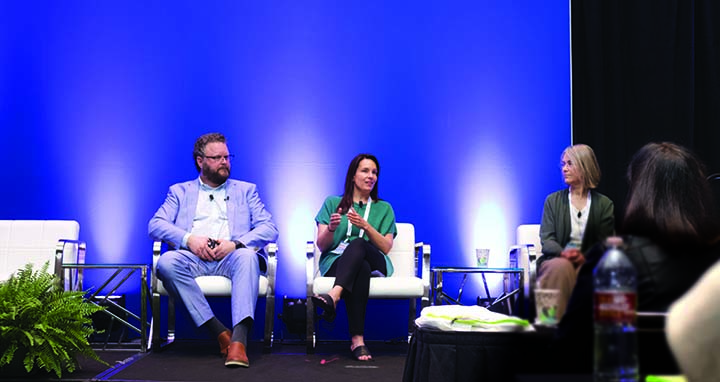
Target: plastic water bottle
<point>615,301</point>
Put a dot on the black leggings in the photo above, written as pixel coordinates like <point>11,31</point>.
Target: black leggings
<point>352,272</point>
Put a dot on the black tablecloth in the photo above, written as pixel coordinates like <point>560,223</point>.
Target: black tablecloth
<point>436,356</point>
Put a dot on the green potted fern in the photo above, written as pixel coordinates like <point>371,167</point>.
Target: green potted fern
<point>42,324</point>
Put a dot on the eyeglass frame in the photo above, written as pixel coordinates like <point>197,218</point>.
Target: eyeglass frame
<point>217,158</point>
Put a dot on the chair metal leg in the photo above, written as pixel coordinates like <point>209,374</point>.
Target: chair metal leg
<point>310,326</point>
<point>412,317</point>
<point>171,320</point>
<point>157,342</point>
<point>155,322</point>
<point>269,322</point>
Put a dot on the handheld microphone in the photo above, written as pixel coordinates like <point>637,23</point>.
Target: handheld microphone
<point>360,203</point>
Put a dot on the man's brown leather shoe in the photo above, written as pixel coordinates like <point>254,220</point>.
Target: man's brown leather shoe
<point>224,340</point>
<point>237,355</point>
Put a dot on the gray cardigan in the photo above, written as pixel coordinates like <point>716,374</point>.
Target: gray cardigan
<point>555,226</point>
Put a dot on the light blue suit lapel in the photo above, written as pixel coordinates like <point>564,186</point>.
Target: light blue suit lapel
<point>191,198</point>
<point>232,192</point>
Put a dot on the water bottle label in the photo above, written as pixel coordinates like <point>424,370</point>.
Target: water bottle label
<point>615,307</point>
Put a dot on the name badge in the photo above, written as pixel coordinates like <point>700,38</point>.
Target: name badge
<point>340,248</point>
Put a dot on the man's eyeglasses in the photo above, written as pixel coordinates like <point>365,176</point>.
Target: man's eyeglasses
<point>216,158</point>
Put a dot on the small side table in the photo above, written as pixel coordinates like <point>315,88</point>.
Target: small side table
<point>101,294</point>
<point>440,296</point>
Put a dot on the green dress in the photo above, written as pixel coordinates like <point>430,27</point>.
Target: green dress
<point>382,218</point>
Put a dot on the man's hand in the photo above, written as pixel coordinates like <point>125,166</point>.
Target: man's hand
<point>198,245</point>
<point>224,248</point>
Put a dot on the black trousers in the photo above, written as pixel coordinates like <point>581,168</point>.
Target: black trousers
<point>352,272</point>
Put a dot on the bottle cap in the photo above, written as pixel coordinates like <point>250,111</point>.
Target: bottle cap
<point>614,241</point>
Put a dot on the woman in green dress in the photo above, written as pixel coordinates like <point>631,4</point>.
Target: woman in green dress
<point>355,233</point>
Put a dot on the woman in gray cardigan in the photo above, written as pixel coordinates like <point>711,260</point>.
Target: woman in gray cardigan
<point>573,220</point>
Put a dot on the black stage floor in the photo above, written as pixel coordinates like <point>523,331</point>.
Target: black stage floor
<point>190,361</point>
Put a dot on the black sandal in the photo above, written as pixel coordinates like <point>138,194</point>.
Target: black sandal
<point>360,351</point>
<point>327,304</point>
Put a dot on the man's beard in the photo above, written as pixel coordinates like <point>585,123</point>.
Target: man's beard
<point>215,176</point>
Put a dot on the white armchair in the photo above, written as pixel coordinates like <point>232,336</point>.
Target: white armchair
<point>214,286</point>
<point>39,242</point>
<point>411,279</point>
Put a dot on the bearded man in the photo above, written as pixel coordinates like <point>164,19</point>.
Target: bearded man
<point>215,226</point>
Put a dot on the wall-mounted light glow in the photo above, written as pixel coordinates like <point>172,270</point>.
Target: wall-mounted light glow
<point>298,192</point>
<point>487,201</point>
<point>109,196</point>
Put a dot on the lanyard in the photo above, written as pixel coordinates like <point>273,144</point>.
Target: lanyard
<point>367,214</point>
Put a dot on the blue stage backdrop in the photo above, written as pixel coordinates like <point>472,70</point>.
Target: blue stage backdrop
<point>466,105</point>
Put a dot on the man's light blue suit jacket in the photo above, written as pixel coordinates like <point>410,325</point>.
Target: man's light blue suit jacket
<point>248,219</point>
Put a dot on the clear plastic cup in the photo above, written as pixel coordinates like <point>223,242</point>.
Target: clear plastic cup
<point>482,256</point>
<point>546,305</point>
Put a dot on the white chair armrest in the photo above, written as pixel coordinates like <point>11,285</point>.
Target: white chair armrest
<point>527,259</point>
<point>157,251</point>
<point>532,265</point>
<point>424,268</point>
<point>71,279</point>
<point>271,251</point>
<point>79,257</point>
